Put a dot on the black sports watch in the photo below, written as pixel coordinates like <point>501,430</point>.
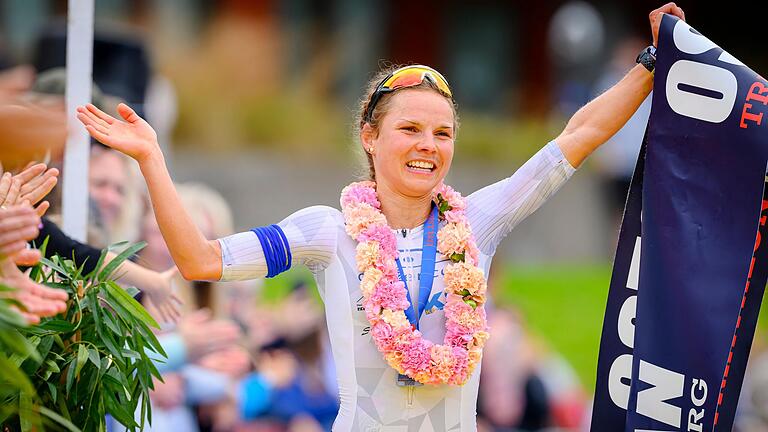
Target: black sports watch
<point>647,58</point>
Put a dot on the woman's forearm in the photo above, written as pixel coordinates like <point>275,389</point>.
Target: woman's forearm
<point>196,257</point>
<point>601,118</point>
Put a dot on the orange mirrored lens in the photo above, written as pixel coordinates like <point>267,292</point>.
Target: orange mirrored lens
<point>409,77</point>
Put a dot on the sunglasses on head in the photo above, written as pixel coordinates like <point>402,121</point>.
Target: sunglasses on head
<point>408,76</point>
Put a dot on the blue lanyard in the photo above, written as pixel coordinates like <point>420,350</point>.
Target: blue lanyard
<point>427,274</point>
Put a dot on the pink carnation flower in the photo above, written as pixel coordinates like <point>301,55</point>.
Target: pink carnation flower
<point>453,238</point>
<point>390,295</point>
<point>465,276</point>
<point>362,192</point>
<point>455,216</point>
<point>383,235</point>
<point>416,356</point>
<point>367,255</point>
<point>442,362</point>
<point>461,368</point>
<point>457,337</point>
<point>372,310</point>
<point>383,335</point>
<point>455,200</point>
<point>463,315</point>
<point>361,216</point>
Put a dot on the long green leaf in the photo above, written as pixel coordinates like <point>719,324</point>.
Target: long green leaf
<point>92,275</point>
<point>58,325</point>
<point>115,263</point>
<point>152,339</point>
<point>118,412</point>
<point>53,263</point>
<point>70,376</point>
<point>38,269</point>
<point>128,302</point>
<point>105,336</point>
<point>53,415</point>
<point>53,390</point>
<point>15,342</point>
<point>93,355</point>
<point>82,358</point>
<point>28,419</point>
<point>12,376</point>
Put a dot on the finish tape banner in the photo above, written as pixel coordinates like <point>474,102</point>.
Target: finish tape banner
<point>691,264</point>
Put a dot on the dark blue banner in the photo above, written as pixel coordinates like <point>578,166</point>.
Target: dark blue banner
<point>689,274</point>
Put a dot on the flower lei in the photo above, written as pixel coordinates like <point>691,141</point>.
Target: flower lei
<point>404,347</point>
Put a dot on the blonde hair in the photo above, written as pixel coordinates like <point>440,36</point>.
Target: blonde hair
<point>207,207</point>
<point>382,107</point>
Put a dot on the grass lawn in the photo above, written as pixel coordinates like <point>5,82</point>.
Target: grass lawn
<point>562,304</point>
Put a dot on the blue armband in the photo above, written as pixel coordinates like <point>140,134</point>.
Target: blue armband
<point>276,249</point>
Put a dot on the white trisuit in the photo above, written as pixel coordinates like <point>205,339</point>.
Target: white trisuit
<point>369,396</point>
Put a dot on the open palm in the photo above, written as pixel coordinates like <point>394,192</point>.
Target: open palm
<point>132,135</point>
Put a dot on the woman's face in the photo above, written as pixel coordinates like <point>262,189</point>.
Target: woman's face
<point>107,179</point>
<point>413,150</point>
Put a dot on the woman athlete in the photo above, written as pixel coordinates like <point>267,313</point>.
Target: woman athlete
<point>402,365</point>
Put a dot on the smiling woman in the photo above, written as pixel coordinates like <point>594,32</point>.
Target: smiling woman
<point>404,244</point>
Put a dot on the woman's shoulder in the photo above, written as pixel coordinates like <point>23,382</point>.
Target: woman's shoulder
<point>318,214</point>
<point>320,210</point>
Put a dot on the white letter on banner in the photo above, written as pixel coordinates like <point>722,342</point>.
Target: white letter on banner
<point>702,386</point>
<point>625,326</point>
<point>689,41</point>
<point>706,77</point>
<point>666,385</point>
<point>620,369</point>
<point>633,278</point>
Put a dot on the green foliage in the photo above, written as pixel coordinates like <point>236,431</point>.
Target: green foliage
<point>91,360</point>
<point>13,382</point>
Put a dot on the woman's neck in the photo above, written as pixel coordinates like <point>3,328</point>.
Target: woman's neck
<point>403,211</point>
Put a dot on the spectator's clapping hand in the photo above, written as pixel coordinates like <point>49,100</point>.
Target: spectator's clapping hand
<point>655,18</point>
<point>36,300</point>
<point>232,360</point>
<point>18,224</point>
<point>161,296</point>
<point>304,423</point>
<point>299,314</point>
<point>168,393</point>
<point>278,367</point>
<point>30,185</point>
<point>203,335</point>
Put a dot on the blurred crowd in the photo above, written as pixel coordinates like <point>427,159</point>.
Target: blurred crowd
<point>238,359</point>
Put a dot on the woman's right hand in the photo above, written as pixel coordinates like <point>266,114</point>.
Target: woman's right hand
<point>134,136</point>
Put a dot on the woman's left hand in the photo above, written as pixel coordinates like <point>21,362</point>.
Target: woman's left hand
<point>655,18</point>
<point>162,297</point>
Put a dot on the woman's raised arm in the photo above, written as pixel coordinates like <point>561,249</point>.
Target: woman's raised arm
<point>196,257</point>
<point>598,120</point>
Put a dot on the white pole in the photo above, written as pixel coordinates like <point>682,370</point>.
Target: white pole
<point>78,92</point>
